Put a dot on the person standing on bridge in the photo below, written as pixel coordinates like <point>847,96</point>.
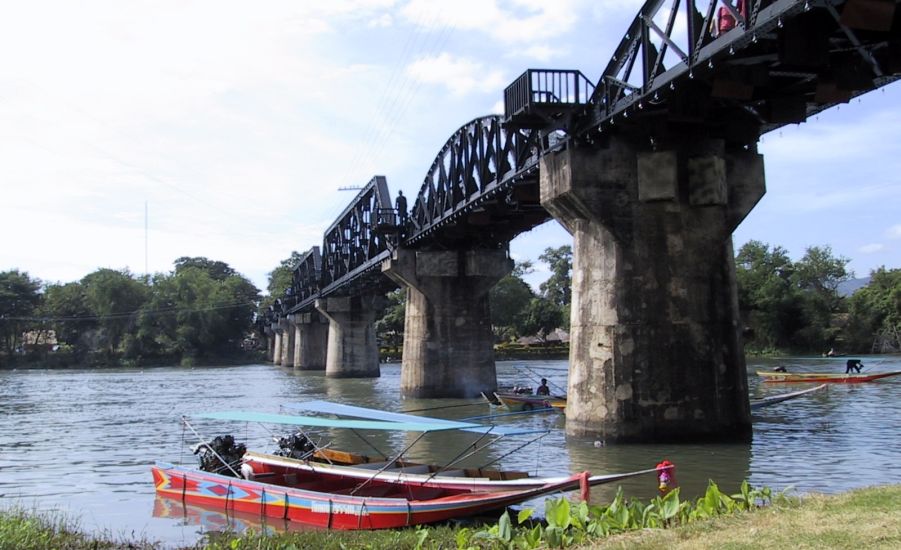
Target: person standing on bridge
<point>401,205</point>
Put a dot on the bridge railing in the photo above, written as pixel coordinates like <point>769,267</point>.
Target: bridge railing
<point>537,91</point>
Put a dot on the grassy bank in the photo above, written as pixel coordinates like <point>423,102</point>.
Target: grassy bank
<point>866,518</point>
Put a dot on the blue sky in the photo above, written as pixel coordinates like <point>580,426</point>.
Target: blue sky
<point>237,122</point>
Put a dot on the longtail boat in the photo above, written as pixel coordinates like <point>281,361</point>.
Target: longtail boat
<point>526,402</point>
<point>773,399</point>
<point>344,501</point>
<point>834,377</point>
<point>328,463</point>
<point>331,505</point>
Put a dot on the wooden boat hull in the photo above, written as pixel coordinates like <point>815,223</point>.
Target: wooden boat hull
<point>278,468</point>
<point>841,378</point>
<point>517,402</point>
<point>334,510</point>
<point>773,399</point>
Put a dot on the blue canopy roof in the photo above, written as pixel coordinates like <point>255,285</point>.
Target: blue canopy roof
<point>339,409</point>
<point>319,422</point>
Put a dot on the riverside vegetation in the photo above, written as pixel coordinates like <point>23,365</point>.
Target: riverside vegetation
<point>751,518</point>
<point>204,311</point>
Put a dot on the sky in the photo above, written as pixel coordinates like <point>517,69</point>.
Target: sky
<point>133,133</point>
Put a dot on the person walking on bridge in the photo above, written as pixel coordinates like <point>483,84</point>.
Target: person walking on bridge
<point>401,205</point>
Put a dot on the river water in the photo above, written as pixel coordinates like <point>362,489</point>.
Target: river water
<point>81,441</point>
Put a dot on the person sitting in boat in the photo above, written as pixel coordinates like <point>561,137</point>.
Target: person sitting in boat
<point>543,389</point>
<point>853,365</point>
<point>780,368</point>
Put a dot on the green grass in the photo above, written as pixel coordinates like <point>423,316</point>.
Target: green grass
<point>865,518</point>
<point>20,529</point>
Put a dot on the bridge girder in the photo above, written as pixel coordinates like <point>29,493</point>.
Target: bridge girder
<point>481,189</point>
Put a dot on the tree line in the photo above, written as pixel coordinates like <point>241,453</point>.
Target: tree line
<point>796,306</point>
<point>785,306</point>
<point>202,309</point>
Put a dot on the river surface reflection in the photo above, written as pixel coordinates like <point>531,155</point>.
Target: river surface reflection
<point>81,441</point>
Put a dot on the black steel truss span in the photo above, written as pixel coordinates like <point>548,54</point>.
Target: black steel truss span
<point>306,279</point>
<point>352,248</point>
<point>481,189</point>
<point>732,69</point>
<point>759,63</point>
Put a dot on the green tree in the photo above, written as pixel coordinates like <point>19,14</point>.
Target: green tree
<point>115,298</point>
<point>194,313</point>
<point>218,271</point>
<point>558,287</point>
<point>67,308</point>
<point>817,276</point>
<point>541,317</point>
<point>19,299</point>
<point>875,312</point>
<point>767,297</point>
<point>390,326</point>
<point>281,278</point>
<point>509,300</point>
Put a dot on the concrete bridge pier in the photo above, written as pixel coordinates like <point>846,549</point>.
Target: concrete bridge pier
<point>311,341</point>
<point>276,344</point>
<point>448,342</point>
<point>288,331</point>
<point>353,351</point>
<point>655,342</point>
<point>270,342</point>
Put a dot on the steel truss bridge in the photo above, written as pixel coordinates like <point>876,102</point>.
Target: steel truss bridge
<point>683,69</point>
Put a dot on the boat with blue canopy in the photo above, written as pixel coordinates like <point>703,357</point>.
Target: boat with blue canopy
<point>396,470</point>
<point>337,490</point>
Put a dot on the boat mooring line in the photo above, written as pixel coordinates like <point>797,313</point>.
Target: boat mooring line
<point>443,407</point>
<point>463,454</point>
<point>389,463</point>
<point>533,411</point>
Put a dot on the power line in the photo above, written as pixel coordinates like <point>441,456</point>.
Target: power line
<point>125,315</point>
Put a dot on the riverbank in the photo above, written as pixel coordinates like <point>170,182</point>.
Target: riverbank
<point>863,518</point>
<point>100,361</point>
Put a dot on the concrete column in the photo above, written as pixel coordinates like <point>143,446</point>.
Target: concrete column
<point>352,348</point>
<point>448,343</point>
<point>655,340</point>
<point>277,345</point>
<point>288,337</point>
<point>270,343</point>
<point>311,342</point>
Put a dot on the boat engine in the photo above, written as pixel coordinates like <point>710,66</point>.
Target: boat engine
<point>295,446</point>
<point>224,446</point>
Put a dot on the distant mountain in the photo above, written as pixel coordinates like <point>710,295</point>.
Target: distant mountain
<point>851,286</point>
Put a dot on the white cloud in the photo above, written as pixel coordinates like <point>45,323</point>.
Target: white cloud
<point>871,248</point>
<point>894,232</point>
<point>541,52</point>
<point>516,22</point>
<point>459,75</point>
<point>384,20</point>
